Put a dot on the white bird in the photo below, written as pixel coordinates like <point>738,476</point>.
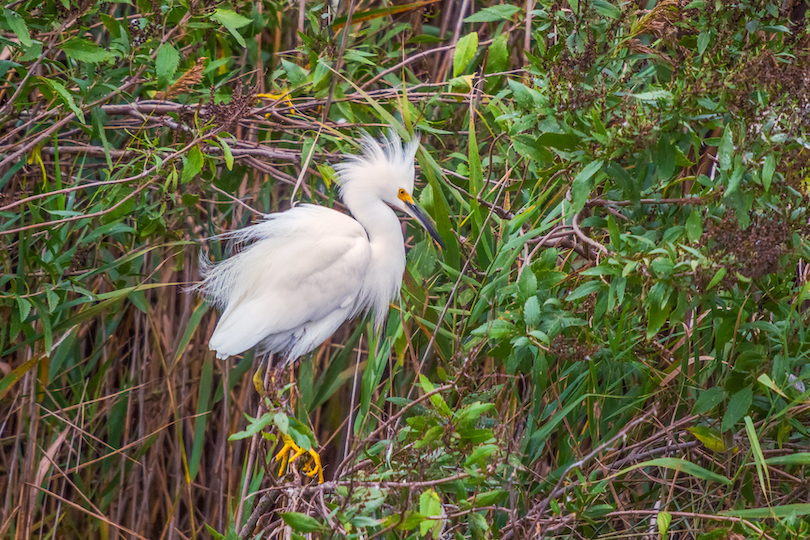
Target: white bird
<point>308,269</point>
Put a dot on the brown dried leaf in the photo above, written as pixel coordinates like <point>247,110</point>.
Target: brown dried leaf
<point>659,21</point>
<point>635,45</point>
<point>186,82</point>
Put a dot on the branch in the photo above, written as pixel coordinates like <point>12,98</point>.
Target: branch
<point>411,60</point>
<point>265,503</point>
<point>681,200</point>
<point>582,236</point>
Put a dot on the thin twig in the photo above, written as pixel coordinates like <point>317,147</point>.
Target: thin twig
<point>582,236</point>
<point>339,62</point>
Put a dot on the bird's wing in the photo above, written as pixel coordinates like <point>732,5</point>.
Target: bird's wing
<point>306,263</point>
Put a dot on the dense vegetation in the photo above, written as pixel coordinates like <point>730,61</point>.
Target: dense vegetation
<point>612,344</point>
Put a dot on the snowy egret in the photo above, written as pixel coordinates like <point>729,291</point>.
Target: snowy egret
<point>307,270</point>
<point>310,268</point>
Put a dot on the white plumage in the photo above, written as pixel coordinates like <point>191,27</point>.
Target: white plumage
<point>308,269</point>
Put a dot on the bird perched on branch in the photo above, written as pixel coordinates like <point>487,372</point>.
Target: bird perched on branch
<point>305,271</point>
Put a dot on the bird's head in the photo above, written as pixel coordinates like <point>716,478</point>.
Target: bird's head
<point>385,171</point>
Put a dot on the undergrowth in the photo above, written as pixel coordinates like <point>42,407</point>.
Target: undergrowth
<point>612,343</point>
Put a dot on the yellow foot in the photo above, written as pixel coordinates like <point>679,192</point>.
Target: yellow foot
<point>313,466</point>
<point>285,98</point>
<point>291,451</point>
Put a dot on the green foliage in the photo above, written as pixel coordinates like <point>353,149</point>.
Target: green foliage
<point>615,331</point>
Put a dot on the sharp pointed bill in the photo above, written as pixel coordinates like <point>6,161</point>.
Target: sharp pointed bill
<point>419,216</point>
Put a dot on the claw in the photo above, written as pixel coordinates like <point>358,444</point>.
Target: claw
<point>311,471</point>
<point>290,452</point>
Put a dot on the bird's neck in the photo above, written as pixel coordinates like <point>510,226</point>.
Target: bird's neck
<point>387,252</point>
<point>378,219</point>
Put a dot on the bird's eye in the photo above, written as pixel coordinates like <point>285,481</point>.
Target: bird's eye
<point>401,192</point>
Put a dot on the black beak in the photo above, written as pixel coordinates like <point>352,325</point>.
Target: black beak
<point>426,223</point>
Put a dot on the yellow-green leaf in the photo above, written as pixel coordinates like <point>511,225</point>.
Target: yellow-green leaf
<point>465,51</point>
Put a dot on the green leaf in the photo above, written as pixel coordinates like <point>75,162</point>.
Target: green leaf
<point>703,42</point>
<point>191,328</point>
<point>228,17</point>
<point>67,98</point>
<point>470,414</point>
<point>255,425</point>
<point>282,422</point>
<point>5,65</point>
<point>783,511</point>
<point>437,400</point>
<point>228,155</point>
<point>203,415</point>
<point>735,179</point>
<point>584,290</point>
<point>17,25</point>
<point>364,521</point>
<point>489,498</point>
<point>725,152</point>
<point>412,519</point>
<point>25,308</point>
<point>33,52</point>
<point>799,458</point>
<point>430,505</point>
<point>302,522</point>
<point>531,312</point>
<point>657,313</point>
<point>98,117</point>
<point>768,383</point>
<point>527,284</point>
<point>759,458</point>
<point>654,96</point>
<point>464,53</point>
<point>708,400</point>
<point>560,141</point>
<point>83,50</point>
<point>738,407</point>
<point>663,519</point>
<point>767,171</point>
<point>295,73</point>
<point>523,95</point>
<point>665,159</point>
<point>429,436</point>
<point>582,185</point>
<point>680,465</point>
<point>231,20</point>
<point>623,180</point>
<point>479,454</point>
<point>498,58</point>
<point>298,433</point>
<point>193,165</point>
<point>716,279</point>
<point>166,64</point>
<point>710,437</point>
<point>606,9</point>
<point>694,226</point>
<point>500,12</point>
<point>496,329</point>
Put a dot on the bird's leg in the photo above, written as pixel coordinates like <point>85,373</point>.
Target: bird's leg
<point>290,452</point>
